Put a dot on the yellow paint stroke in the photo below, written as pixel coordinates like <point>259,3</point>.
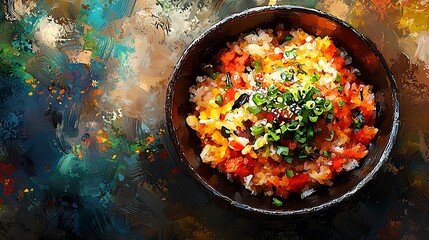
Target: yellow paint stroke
<point>272,2</point>
<point>414,16</point>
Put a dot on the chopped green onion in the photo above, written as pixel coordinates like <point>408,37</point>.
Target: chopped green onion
<point>302,139</point>
<point>307,149</point>
<point>219,100</point>
<point>214,75</point>
<point>283,129</point>
<point>326,154</point>
<point>292,126</point>
<point>330,137</point>
<point>288,159</point>
<point>313,118</point>
<point>260,142</point>
<point>310,133</point>
<point>286,76</point>
<point>327,105</point>
<point>288,37</point>
<point>310,104</point>
<point>273,137</point>
<point>341,103</point>
<point>256,130</point>
<point>266,152</point>
<point>317,111</point>
<point>314,77</point>
<point>277,202</point>
<point>254,109</point>
<point>289,173</point>
<point>259,99</point>
<point>338,79</point>
<point>258,64</point>
<point>279,99</point>
<point>228,80</point>
<point>340,89</point>
<point>302,156</point>
<point>329,117</point>
<point>291,53</point>
<point>356,130</point>
<point>319,100</point>
<point>282,150</point>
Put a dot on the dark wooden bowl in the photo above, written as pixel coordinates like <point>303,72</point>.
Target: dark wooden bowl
<point>366,58</point>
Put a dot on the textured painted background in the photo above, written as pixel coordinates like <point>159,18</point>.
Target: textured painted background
<point>84,153</point>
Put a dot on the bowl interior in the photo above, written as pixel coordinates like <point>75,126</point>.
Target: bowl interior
<point>365,57</point>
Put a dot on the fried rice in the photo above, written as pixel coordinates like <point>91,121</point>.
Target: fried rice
<point>282,111</point>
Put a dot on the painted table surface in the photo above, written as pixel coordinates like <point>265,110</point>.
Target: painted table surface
<point>84,152</point>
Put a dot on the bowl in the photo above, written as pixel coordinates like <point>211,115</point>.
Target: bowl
<point>366,58</point>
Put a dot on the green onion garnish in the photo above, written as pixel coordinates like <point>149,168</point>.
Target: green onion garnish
<point>256,130</point>
<point>282,150</point>
<point>219,100</point>
<point>310,133</point>
<point>326,154</point>
<point>292,126</point>
<point>214,75</point>
<point>314,77</point>
<point>288,37</point>
<point>277,202</point>
<point>310,104</point>
<point>341,103</point>
<point>338,79</point>
<point>254,109</point>
<point>317,111</point>
<point>329,117</point>
<point>273,137</point>
<point>330,137</point>
<point>302,139</point>
<point>327,105</point>
<point>313,118</point>
<point>259,99</point>
<point>258,64</point>
<point>288,159</point>
<point>340,89</point>
<point>289,173</point>
<point>291,54</point>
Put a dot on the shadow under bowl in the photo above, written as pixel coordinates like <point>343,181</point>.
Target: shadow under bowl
<point>366,58</point>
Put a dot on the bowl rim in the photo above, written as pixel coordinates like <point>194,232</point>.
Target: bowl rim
<point>280,212</point>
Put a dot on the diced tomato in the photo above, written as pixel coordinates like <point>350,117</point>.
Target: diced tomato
<point>229,95</point>
<point>236,165</point>
<point>336,163</point>
<point>338,62</point>
<point>331,50</point>
<point>236,145</point>
<point>278,56</point>
<point>291,144</point>
<point>298,181</point>
<point>269,116</point>
<point>234,153</point>
<point>232,164</point>
<point>228,57</point>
